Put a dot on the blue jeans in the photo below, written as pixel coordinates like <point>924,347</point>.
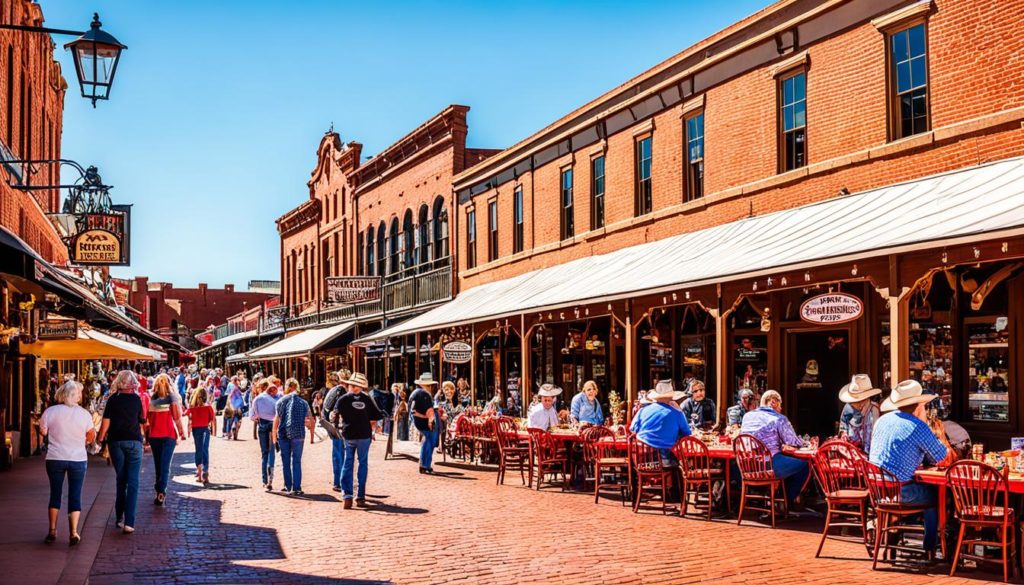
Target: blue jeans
<point>201,436</point>
<point>427,449</point>
<point>75,471</point>
<point>263,428</point>
<point>291,462</point>
<point>163,450</point>
<point>919,494</point>
<point>126,456</point>
<point>354,447</point>
<point>337,459</point>
<point>794,471</point>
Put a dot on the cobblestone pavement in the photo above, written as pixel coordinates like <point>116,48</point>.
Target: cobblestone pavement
<point>458,527</point>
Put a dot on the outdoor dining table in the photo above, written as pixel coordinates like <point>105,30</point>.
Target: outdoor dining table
<point>726,453</point>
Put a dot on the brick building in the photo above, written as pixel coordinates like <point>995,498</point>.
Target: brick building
<point>166,309</point>
<point>697,221</point>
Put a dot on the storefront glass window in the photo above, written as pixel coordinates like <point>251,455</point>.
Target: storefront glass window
<point>750,364</point>
<point>988,362</point>
<point>931,361</point>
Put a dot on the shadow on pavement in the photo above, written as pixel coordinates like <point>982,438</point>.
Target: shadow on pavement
<point>377,506</point>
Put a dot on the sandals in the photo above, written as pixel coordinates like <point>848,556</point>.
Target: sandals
<point>74,540</point>
<point>51,537</point>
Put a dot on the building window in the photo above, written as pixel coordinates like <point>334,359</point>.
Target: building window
<point>642,198</point>
<point>409,241</point>
<point>909,83</point>
<point>382,250</point>
<point>568,227</point>
<point>371,264</point>
<point>359,254</point>
<point>597,193</point>
<point>694,171</point>
<point>793,122</point>
<point>517,214</point>
<point>424,236</point>
<point>440,229</point>
<point>471,239</point>
<point>393,248</point>
<point>492,231</point>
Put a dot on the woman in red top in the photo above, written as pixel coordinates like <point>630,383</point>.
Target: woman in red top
<point>164,423</point>
<point>204,425</point>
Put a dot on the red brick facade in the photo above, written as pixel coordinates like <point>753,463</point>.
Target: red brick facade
<point>31,115</point>
<point>162,305</point>
<point>976,107</point>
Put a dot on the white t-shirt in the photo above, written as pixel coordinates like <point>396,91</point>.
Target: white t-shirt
<point>66,426</point>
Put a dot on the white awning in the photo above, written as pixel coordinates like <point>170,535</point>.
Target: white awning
<point>302,343</point>
<point>962,204</point>
<point>230,338</point>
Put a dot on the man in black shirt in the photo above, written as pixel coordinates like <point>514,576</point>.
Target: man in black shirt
<point>422,404</point>
<point>699,410</point>
<point>357,413</point>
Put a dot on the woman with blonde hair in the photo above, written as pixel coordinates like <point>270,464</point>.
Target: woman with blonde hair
<point>69,428</point>
<point>122,425</point>
<point>203,421</point>
<point>164,419</point>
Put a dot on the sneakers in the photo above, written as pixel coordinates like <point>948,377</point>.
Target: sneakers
<point>269,486</point>
<point>297,492</point>
<point>286,490</point>
<point>361,502</point>
<point>336,488</point>
<point>119,523</point>
<point>128,530</point>
<point>348,504</point>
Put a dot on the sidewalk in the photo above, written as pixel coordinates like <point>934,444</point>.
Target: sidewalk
<point>24,492</point>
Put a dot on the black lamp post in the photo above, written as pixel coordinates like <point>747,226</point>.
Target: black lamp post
<point>95,52</point>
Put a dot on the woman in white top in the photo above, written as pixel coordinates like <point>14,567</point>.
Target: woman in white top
<point>69,428</point>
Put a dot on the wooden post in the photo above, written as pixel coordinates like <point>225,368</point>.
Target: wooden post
<point>632,379</point>
<point>899,336</point>
<point>472,362</point>
<point>416,359</point>
<point>526,376</point>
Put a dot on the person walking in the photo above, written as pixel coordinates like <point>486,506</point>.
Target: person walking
<point>357,413</point>
<point>68,428</point>
<point>164,420</point>
<point>290,423</point>
<point>203,421</point>
<point>123,426</point>
<point>236,408</point>
<point>264,410</point>
<point>401,418</point>
<point>425,419</point>
<point>337,390</point>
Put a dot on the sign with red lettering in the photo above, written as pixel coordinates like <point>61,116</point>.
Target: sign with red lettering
<point>831,308</point>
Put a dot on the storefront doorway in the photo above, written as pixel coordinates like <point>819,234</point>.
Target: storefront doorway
<point>818,365</point>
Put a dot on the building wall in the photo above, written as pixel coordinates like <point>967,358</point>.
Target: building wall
<point>976,92</point>
<point>196,308</point>
<point>31,116</point>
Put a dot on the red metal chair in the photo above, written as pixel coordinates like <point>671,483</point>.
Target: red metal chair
<point>755,463</point>
<point>837,469</point>
<point>511,451</point>
<point>697,473</point>
<point>549,460</point>
<point>651,475</point>
<point>463,441</point>
<point>981,495</point>
<point>887,498</point>
<point>484,438</point>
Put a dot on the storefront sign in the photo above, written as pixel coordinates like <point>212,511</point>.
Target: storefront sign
<point>274,318</point>
<point>58,329</point>
<point>831,308</point>
<point>352,289</point>
<point>457,352</point>
<point>96,246</point>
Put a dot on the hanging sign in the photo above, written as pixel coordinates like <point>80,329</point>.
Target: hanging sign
<point>96,246</point>
<point>831,308</point>
<point>457,352</point>
<point>352,289</point>
<point>57,329</point>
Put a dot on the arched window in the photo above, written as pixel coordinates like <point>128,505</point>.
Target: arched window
<point>409,243</point>
<point>393,267</point>
<point>371,265</point>
<point>440,229</point>
<point>359,254</point>
<point>423,245</point>
<point>382,250</point>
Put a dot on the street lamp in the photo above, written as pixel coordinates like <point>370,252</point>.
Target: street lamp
<point>96,54</point>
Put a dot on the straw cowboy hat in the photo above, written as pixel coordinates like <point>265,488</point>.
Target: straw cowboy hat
<point>426,379</point>
<point>906,393</point>
<point>812,367</point>
<point>357,379</point>
<point>664,391</point>
<point>858,389</point>
<point>549,390</point>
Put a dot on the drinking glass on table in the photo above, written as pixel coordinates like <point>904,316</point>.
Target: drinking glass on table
<point>814,442</point>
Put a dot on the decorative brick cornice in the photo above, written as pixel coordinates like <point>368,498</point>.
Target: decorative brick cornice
<point>298,218</point>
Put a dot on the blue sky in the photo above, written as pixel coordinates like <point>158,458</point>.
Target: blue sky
<point>218,107</point>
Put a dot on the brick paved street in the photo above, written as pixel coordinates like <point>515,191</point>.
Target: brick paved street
<point>457,528</point>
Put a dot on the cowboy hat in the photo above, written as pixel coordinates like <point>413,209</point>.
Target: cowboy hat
<point>812,367</point>
<point>858,389</point>
<point>664,391</point>
<point>426,379</point>
<point>906,393</point>
<point>549,390</point>
<point>357,379</point>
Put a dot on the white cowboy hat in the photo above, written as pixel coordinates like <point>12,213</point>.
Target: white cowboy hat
<point>664,391</point>
<point>356,379</point>
<point>858,389</point>
<point>549,390</point>
<point>906,393</point>
<point>812,367</point>
<point>426,379</point>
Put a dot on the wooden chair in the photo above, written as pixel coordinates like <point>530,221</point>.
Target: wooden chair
<point>484,439</point>
<point>462,443</point>
<point>697,473</point>
<point>651,475</point>
<point>887,498</point>
<point>511,451</point>
<point>549,460</point>
<point>755,463</point>
<point>981,495</point>
<point>836,467</point>
<point>608,462</point>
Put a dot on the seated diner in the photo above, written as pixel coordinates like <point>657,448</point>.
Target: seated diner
<point>772,428</point>
<point>860,412</point>
<point>542,414</point>
<point>661,423</point>
<point>585,408</point>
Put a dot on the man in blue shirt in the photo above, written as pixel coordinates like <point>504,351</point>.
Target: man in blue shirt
<point>901,442</point>
<point>585,409</point>
<point>661,423</point>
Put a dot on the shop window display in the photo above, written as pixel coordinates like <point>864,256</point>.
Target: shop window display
<point>988,362</point>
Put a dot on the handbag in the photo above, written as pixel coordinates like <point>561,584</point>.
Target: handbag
<point>332,430</point>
